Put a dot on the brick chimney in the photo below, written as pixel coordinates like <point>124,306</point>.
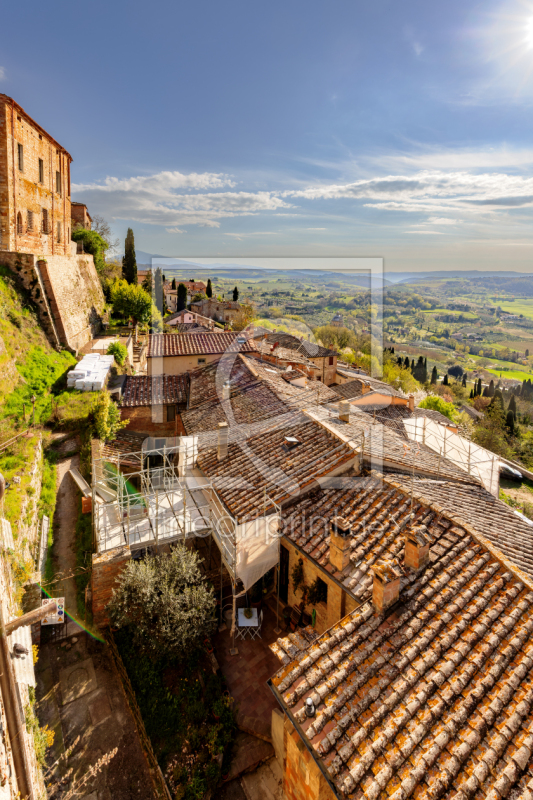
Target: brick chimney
<point>344,410</point>
<point>386,586</point>
<point>411,402</point>
<point>222,441</point>
<point>417,548</point>
<point>365,387</point>
<point>226,390</point>
<point>339,543</point>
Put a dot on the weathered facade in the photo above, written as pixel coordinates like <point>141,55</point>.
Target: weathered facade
<point>36,226</point>
<point>80,216</point>
<point>35,209</point>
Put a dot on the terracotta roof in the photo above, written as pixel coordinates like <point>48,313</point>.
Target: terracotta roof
<point>433,699</point>
<point>355,388</point>
<point>393,416</point>
<point>284,354</point>
<point>265,462</point>
<point>309,349</point>
<point>140,390</point>
<point>187,327</point>
<point>473,505</point>
<point>191,344</point>
<point>300,396</point>
<point>125,444</point>
<point>384,448</point>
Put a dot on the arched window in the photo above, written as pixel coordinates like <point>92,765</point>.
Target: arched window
<point>19,223</point>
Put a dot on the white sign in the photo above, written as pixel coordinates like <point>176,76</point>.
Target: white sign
<point>59,616</point>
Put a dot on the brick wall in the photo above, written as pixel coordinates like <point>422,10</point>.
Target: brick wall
<point>66,291</point>
<point>32,188</point>
<point>151,421</point>
<point>326,614</point>
<point>302,779</point>
<point>106,569</point>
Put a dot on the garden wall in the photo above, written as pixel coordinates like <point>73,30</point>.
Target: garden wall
<point>105,570</point>
<point>67,292</point>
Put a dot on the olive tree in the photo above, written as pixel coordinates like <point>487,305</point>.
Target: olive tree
<point>164,602</point>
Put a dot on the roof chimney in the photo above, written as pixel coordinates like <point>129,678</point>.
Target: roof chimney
<point>416,548</point>
<point>386,586</point>
<point>365,387</point>
<point>226,390</point>
<point>222,441</point>
<point>344,410</point>
<point>411,402</point>
<point>339,543</point>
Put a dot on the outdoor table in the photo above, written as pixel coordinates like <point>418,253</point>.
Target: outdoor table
<point>243,622</point>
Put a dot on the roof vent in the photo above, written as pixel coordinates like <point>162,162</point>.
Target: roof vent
<point>290,442</point>
<point>309,708</point>
<point>386,585</point>
<point>241,339</point>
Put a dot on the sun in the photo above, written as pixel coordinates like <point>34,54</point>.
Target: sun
<point>529,32</point>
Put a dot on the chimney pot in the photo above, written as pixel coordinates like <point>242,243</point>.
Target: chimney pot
<point>340,543</point>
<point>411,402</point>
<point>344,410</point>
<point>222,441</point>
<point>417,548</point>
<point>386,585</point>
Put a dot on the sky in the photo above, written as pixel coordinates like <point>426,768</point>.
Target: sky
<point>341,128</point>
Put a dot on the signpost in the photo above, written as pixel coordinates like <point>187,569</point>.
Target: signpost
<point>59,616</point>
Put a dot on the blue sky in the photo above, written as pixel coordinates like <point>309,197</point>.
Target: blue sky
<point>388,129</point>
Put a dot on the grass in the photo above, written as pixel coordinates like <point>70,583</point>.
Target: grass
<point>511,373</point>
<point>47,504</point>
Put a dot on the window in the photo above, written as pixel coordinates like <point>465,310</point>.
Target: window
<point>21,157</point>
<point>19,223</point>
<point>58,231</point>
<point>30,220</point>
<point>318,592</point>
<point>45,221</point>
<point>58,182</point>
<point>330,362</point>
<point>41,171</point>
<point>171,413</point>
<point>201,360</point>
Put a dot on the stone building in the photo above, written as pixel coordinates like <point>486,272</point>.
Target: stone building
<point>35,229</point>
<point>35,207</point>
<point>80,215</point>
<point>219,310</point>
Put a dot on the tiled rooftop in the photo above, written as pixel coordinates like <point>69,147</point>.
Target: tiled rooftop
<point>434,698</point>
<point>265,462</point>
<point>355,388</point>
<point>191,344</point>
<point>140,390</point>
<point>309,349</point>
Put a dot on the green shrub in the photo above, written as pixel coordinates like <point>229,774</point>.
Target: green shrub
<point>119,351</point>
<point>436,403</point>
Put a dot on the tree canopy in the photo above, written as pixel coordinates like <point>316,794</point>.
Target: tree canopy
<point>209,288</point>
<point>439,404</point>
<point>94,244</point>
<point>131,301</point>
<point>181,300</point>
<point>235,294</point>
<point>164,602</point>
<point>107,422</point>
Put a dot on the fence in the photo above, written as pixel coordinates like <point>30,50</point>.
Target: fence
<point>158,779</point>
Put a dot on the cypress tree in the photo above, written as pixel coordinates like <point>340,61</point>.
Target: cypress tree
<point>412,365</point>
<point>182,297</point>
<point>158,290</point>
<point>512,405</point>
<point>209,289</point>
<point>445,380</point>
<point>464,380</point>
<point>129,262</point>
<point>510,422</point>
<point>471,394</point>
<point>434,375</point>
<point>479,386</point>
<point>235,295</point>
<point>173,284</point>
<point>491,389</point>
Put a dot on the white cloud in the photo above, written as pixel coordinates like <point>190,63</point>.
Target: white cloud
<point>173,199</point>
<point>413,40</point>
<point>3,74</point>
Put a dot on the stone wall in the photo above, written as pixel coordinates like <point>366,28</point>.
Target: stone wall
<point>302,778</point>
<point>106,569</point>
<point>327,614</point>
<point>66,291</point>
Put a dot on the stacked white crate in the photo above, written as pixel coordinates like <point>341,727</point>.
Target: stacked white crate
<point>90,374</point>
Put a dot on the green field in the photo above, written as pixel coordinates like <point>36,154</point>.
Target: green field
<point>511,373</point>
<point>521,306</point>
